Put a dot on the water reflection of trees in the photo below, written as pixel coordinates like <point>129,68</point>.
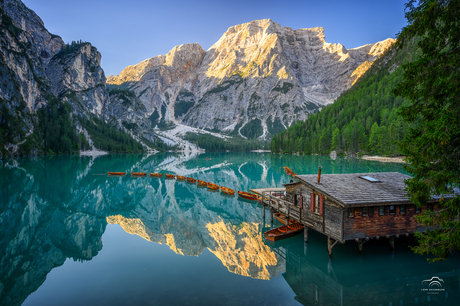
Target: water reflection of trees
<point>54,208</point>
<point>57,208</point>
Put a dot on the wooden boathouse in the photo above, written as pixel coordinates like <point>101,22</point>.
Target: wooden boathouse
<point>354,206</point>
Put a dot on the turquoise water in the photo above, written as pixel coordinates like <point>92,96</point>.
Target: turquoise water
<point>70,235</point>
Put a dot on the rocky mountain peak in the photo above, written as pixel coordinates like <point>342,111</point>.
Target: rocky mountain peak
<point>257,79</point>
<point>185,56</point>
<point>46,44</point>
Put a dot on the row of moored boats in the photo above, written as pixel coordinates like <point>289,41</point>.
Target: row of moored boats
<point>211,186</point>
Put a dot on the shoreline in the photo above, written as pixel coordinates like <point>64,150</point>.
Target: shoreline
<point>383,159</point>
<point>93,153</point>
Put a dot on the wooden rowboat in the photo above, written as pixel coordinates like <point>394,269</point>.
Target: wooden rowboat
<point>283,232</point>
<point>202,183</point>
<point>293,174</point>
<point>247,196</point>
<point>116,173</point>
<point>191,180</point>
<point>169,176</point>
<point>282,218</point>
<point>156,175</point>
<point>138,174</point>
<point>287,169</point>
<point>181,178</point>
<point>227,190</point>
<point>213,186</point>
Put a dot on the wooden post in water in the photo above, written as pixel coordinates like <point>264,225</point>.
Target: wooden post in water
<point>263,204</point>
<point>361,241</point>
<point>330,245</point>
<point>392,242</point>
<point>271,215</point>
<point>287,217</point>
<point>305,234</point>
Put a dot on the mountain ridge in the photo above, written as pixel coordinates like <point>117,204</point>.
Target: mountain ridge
<point>256,71</point>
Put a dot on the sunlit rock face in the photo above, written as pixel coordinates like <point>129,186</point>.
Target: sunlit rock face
<point>191,225</point>
<point>258,73</point>
<point>159,80</point>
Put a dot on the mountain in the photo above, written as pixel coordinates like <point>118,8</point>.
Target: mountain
<point>363,119</point>
<point>255,81</point>
<point>41,76</point>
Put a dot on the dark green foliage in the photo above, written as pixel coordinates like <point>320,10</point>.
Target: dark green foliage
<point>163,124</point>
<point>56,129</point>
<point>124,94</point>
<point>129,125</point>
<point>70,48</point>
<point>432,145</point>
<point>285,88</point>
<point>235,130</point>
<point>252,129</point>
<point>182,107</point>
<point>154,117</point>
<point>345,125</point>
<point>125,85</point>
<point>212,143</point>
<point>108,138</point>
<point>11,124</point>
<point>275,127</point>
<point>236,79</point>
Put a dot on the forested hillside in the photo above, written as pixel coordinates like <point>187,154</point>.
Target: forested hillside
<point>363,119</point>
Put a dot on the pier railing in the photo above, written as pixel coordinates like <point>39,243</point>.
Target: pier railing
<point>282,206</point>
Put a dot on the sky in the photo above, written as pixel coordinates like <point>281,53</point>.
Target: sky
<point>128,32</point>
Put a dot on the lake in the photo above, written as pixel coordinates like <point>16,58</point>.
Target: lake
<point>71,235</point>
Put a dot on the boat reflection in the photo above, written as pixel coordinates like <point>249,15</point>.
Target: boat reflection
<point>54,208</point>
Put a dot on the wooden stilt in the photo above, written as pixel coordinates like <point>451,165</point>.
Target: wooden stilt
<point>305,234</point>
<point>263,207</point>
<point>330,245</point>
<point>287,217</point>
<point>271,216</point>
<point>392,242</point>
<point>360,244</point>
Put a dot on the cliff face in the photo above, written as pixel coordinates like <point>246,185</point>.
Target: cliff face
<point>258,74</point>
<point>78,78</point>
<point>36,66</point>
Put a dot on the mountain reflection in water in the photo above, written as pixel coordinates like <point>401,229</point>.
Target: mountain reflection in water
<point>54,208</point>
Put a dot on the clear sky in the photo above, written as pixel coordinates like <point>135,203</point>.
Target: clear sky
<point>128,32</point>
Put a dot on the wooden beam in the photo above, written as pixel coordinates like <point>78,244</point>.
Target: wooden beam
<point>361,243</point>
<point>392,242</point>
<point>330,245</point>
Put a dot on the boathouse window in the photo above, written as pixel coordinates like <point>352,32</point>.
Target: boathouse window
<point>350,213</point>
<point>430,207</point>
<point>364,211</point>
<point>317,203</point>
<point>381,210</point>
<point>402,209</point>
<point>417,209</point>
<point>392,210</point>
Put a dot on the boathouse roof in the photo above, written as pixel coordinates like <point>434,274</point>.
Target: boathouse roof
<point>360,189</point>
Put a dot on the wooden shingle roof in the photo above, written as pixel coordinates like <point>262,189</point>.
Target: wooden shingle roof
<point>351,190</point>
